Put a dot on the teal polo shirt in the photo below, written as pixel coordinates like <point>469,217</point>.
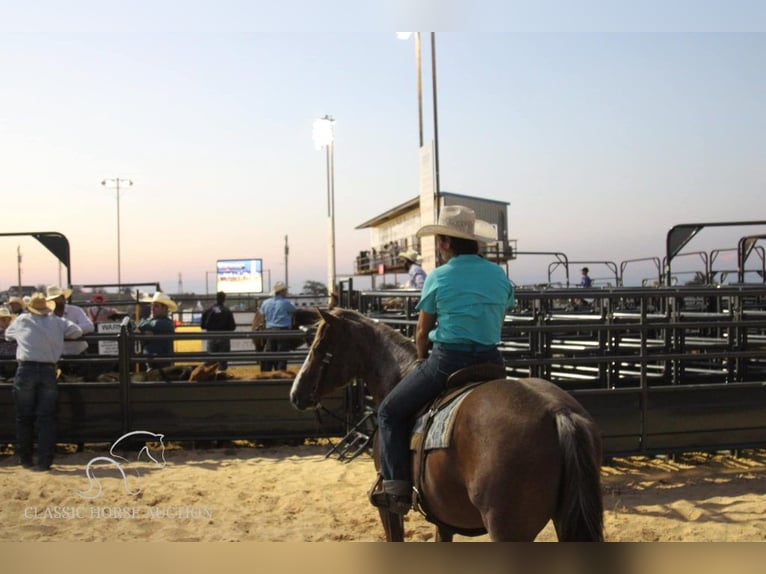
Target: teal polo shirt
<point>469,296</point>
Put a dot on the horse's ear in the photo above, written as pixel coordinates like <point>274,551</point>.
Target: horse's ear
<point>325,315</point>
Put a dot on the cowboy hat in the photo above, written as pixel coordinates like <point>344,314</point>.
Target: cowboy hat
<point>412,256</point>
<point>40,305</point>
<point>460,221</point>
<point>6,312</point>
<point>162,299</point>
<point>54,292</point>
<point>18,300</point>
<point>278,287</point>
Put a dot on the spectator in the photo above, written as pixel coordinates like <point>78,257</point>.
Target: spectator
<point>277,314</point>
<point>99,312</point>
<point>39,335</point>
<point>16,305</point>
<point>218,318</point>
<point>75,314</point>
<point>158,323</point>
<point>417,275</point>
<point>7,348</point>
<point>585,280</point>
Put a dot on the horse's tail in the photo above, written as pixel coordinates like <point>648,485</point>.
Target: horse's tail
<point>580,512</point>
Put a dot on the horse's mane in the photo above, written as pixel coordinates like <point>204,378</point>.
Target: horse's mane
<point>403,346</point>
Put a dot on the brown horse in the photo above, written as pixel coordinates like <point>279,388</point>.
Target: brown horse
<point>523,452</point>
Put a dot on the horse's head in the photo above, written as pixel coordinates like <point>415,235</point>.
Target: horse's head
<point>324,369</point>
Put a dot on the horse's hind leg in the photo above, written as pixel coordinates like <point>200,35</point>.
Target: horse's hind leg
<point>443,535</point>
<point>504,528</point>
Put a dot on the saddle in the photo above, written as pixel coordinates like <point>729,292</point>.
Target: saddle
<point>459,384</point>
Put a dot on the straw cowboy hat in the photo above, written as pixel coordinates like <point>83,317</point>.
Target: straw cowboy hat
<point>411,255</point>
<point>460,221</point>
<point>162,299</point>
<point>278,287</point>
<point>6,312</point>
<point>40,305</point>
<point>54,292</point>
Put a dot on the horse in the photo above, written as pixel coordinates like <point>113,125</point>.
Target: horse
<point>522,452</point>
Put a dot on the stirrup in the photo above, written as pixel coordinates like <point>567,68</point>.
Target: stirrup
<point>396,503</point>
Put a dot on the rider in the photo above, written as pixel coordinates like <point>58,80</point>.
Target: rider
<point>468,296</point>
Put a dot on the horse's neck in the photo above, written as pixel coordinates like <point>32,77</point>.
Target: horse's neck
<point>384,366</point>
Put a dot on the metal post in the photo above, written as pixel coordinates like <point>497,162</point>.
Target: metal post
<point>436,125</point>
<point>117,181</point>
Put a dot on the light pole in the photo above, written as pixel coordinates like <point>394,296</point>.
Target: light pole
<point>116,181</point>
<point>406,36</point>
<point>207,287</point>
<point>324,136</point>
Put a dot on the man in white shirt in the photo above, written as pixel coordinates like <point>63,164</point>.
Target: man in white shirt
<point>77,316</point>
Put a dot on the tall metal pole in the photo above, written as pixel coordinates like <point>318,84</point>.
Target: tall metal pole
<point>331,218</point>
<point>436,124</point>
<point>117,181</point>
<point>420,88</point>
<point>324,136</point>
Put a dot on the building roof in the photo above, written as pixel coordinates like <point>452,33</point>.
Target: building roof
<point>392,213</point>
<point>414,203</point>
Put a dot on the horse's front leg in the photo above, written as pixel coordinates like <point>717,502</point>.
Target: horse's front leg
<point>393,524</point>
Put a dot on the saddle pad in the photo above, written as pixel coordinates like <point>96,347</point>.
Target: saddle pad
<point>440,431</point>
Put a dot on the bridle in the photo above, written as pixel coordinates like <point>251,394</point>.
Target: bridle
<point>325,362</point>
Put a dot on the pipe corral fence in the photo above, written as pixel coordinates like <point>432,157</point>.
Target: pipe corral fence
<point>662,369</point>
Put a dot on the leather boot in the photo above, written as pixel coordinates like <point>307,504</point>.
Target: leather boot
<point>393,495</point>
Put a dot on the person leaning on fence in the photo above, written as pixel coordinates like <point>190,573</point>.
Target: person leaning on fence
<point>218,317</point>
<point>158,323</point>
<point>40,336</point>
<point>75,314</point>
<point>415,272</point>
<point>277,313</point>
<point>461,311</point>
<point>100,312</point>
<point>7,348</point>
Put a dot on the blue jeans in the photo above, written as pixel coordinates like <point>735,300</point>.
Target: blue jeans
<point>35,394</point>
<point>420,386</point>
<point>276,346</point>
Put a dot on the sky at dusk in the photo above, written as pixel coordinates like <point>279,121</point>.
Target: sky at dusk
<point>600,135</point>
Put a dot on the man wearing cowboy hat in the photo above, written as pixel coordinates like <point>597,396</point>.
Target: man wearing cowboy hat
<point>75,314</point>
<point>276,313</point>
<point>40,336</point>
<point>468,296</point>
<point>415,272</point>
<point>16,305</point>
<point>158,323</point>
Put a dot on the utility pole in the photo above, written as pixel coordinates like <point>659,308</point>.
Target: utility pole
<point>106,183</point>
<point>180,284</point>
<point>18,266</point>
<point>287,252</point>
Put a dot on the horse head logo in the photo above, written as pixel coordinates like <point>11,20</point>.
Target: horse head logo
<point>94,484</point>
